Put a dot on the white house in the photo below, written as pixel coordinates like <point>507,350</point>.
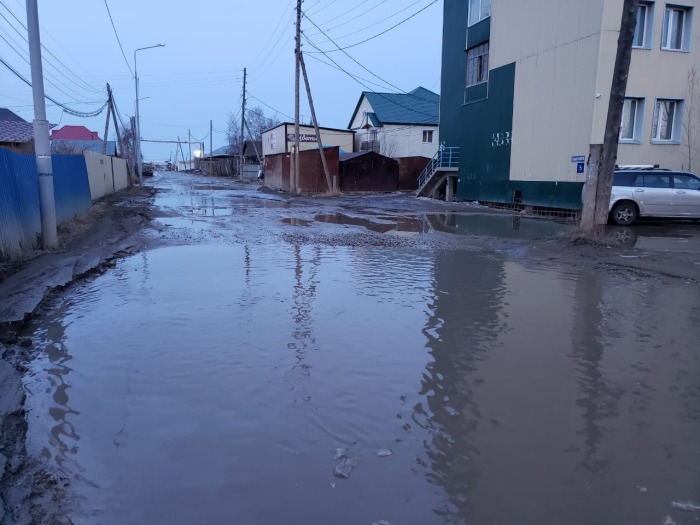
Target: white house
<point>280,139</point>
<point>397,124</point>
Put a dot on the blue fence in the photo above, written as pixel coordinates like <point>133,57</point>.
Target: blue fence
<point>20,219</point>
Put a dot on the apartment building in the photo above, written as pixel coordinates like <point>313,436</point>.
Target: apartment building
<point>526,85</point>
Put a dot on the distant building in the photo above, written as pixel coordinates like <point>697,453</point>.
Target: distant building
<point>397,124</point>
<point>74,133</point>
<point>280,139</point>
<point>525,93</point>
<point>16,133</point>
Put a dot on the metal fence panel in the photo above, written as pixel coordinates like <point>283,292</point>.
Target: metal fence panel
<point>70,186</point>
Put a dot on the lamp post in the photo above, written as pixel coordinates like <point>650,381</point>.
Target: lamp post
<point>139,166</point>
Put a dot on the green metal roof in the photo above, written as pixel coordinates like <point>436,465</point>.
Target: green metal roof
<point>420,106</point>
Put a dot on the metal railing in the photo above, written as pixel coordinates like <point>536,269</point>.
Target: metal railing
<point>444,158</point>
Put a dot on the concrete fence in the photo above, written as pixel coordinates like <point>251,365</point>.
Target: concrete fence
<point>78,181</point>
<point>106,174</point>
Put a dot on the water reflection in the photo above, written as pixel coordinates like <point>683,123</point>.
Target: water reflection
<point>465,322</point>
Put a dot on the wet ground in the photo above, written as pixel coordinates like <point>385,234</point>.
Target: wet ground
<point>212,378</point>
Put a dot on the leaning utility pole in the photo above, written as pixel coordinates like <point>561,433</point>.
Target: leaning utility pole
<point>294,179</point>
<point>42,144</point>
<point>331,187</point>
<point>242,143</point>
<point>109,110</point>
<point>596,195</point>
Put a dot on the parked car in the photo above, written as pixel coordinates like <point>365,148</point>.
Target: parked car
<point>653,192</point>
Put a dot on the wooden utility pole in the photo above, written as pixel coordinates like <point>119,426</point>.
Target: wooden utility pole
<point>109,110</point>
<point>240,151</point>
<point>294,179</point>
<point>331,187</point>
<point>211,147</point>
<point>189,159</point>
<point>255,146</point>
<point>596,196</point>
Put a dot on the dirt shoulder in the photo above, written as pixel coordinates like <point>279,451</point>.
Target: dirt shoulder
<point>88,245</point>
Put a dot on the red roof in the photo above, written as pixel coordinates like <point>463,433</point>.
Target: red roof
<point>75,133</point>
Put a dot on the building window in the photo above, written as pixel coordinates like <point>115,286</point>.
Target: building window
<point>632,116</point>
<point>644,30</point>
<point>427,135</point>
<point>667,121</point>
<point>478,64</point>
<point>676,31</point>
<point>479,10</point>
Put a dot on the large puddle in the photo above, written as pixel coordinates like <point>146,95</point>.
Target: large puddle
<point>213,385</point>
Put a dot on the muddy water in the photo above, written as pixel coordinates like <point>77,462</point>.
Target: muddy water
<point>214,384</point>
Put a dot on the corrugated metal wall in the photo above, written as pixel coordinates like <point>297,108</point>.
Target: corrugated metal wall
<point>70,186</point>
<point>20,221</point>
<point>20,216</point>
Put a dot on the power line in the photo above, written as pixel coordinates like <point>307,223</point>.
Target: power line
<point>68,110</point>
<point>356,79</point>
<point>341,70</point>
<point>269,107</point>
<point>358,16</point>
<point>118,40</point>
<point>89,87</point>
<point>47,77</point>
<point>351,58</point>
<point>378,21</point>
<point>387,30</point>
<point>356,6</point>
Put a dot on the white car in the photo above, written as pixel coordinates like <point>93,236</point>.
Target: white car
<point>644,192</point>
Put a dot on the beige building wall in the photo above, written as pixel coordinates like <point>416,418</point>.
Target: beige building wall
<point>554,47</point>
<point>276,140</point>
<point>654,73</point>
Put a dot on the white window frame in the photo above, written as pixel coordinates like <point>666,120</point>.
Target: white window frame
<point>429,134</point>
<point>481,57</point>
<point>638,126</point>
<point>647,36</point>
<point>686,28</point>
<point>476,11</point>
<point>676,126</point>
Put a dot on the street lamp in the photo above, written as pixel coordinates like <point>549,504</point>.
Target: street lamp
<point>139,166</point>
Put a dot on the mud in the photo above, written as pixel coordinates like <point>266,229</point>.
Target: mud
<point>209,359</point>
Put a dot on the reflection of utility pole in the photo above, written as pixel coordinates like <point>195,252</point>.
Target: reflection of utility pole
<point>599,182</point>
<point>242,143</point>
<point>42,144</point>
<point>294,179</point>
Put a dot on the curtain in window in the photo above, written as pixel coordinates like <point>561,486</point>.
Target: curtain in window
<point>641,25</point>
<point>663,119</point>
<point>629,111</point>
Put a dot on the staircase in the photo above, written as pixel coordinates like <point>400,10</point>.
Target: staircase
<point>442,169</point>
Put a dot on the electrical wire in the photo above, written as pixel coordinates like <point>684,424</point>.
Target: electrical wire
<point>359,16</point>
<point>67,109</point>
<point>250,95</point>
<point>382,95</point>
<point>118,40</point>
<point>49,78</point>
<point>91,88</point>
<point>386,30</point>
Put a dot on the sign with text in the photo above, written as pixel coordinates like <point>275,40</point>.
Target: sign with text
<point>302,137</point>
<point>578,159</point>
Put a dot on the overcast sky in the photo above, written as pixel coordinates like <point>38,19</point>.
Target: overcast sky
<point>198,75</point>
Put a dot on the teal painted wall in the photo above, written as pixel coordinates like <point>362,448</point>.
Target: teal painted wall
<point>480,126</point>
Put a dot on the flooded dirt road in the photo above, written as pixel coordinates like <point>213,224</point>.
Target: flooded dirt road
<point>213,378</point>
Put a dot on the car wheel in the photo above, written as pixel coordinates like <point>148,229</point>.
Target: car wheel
<point>624,213</point>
